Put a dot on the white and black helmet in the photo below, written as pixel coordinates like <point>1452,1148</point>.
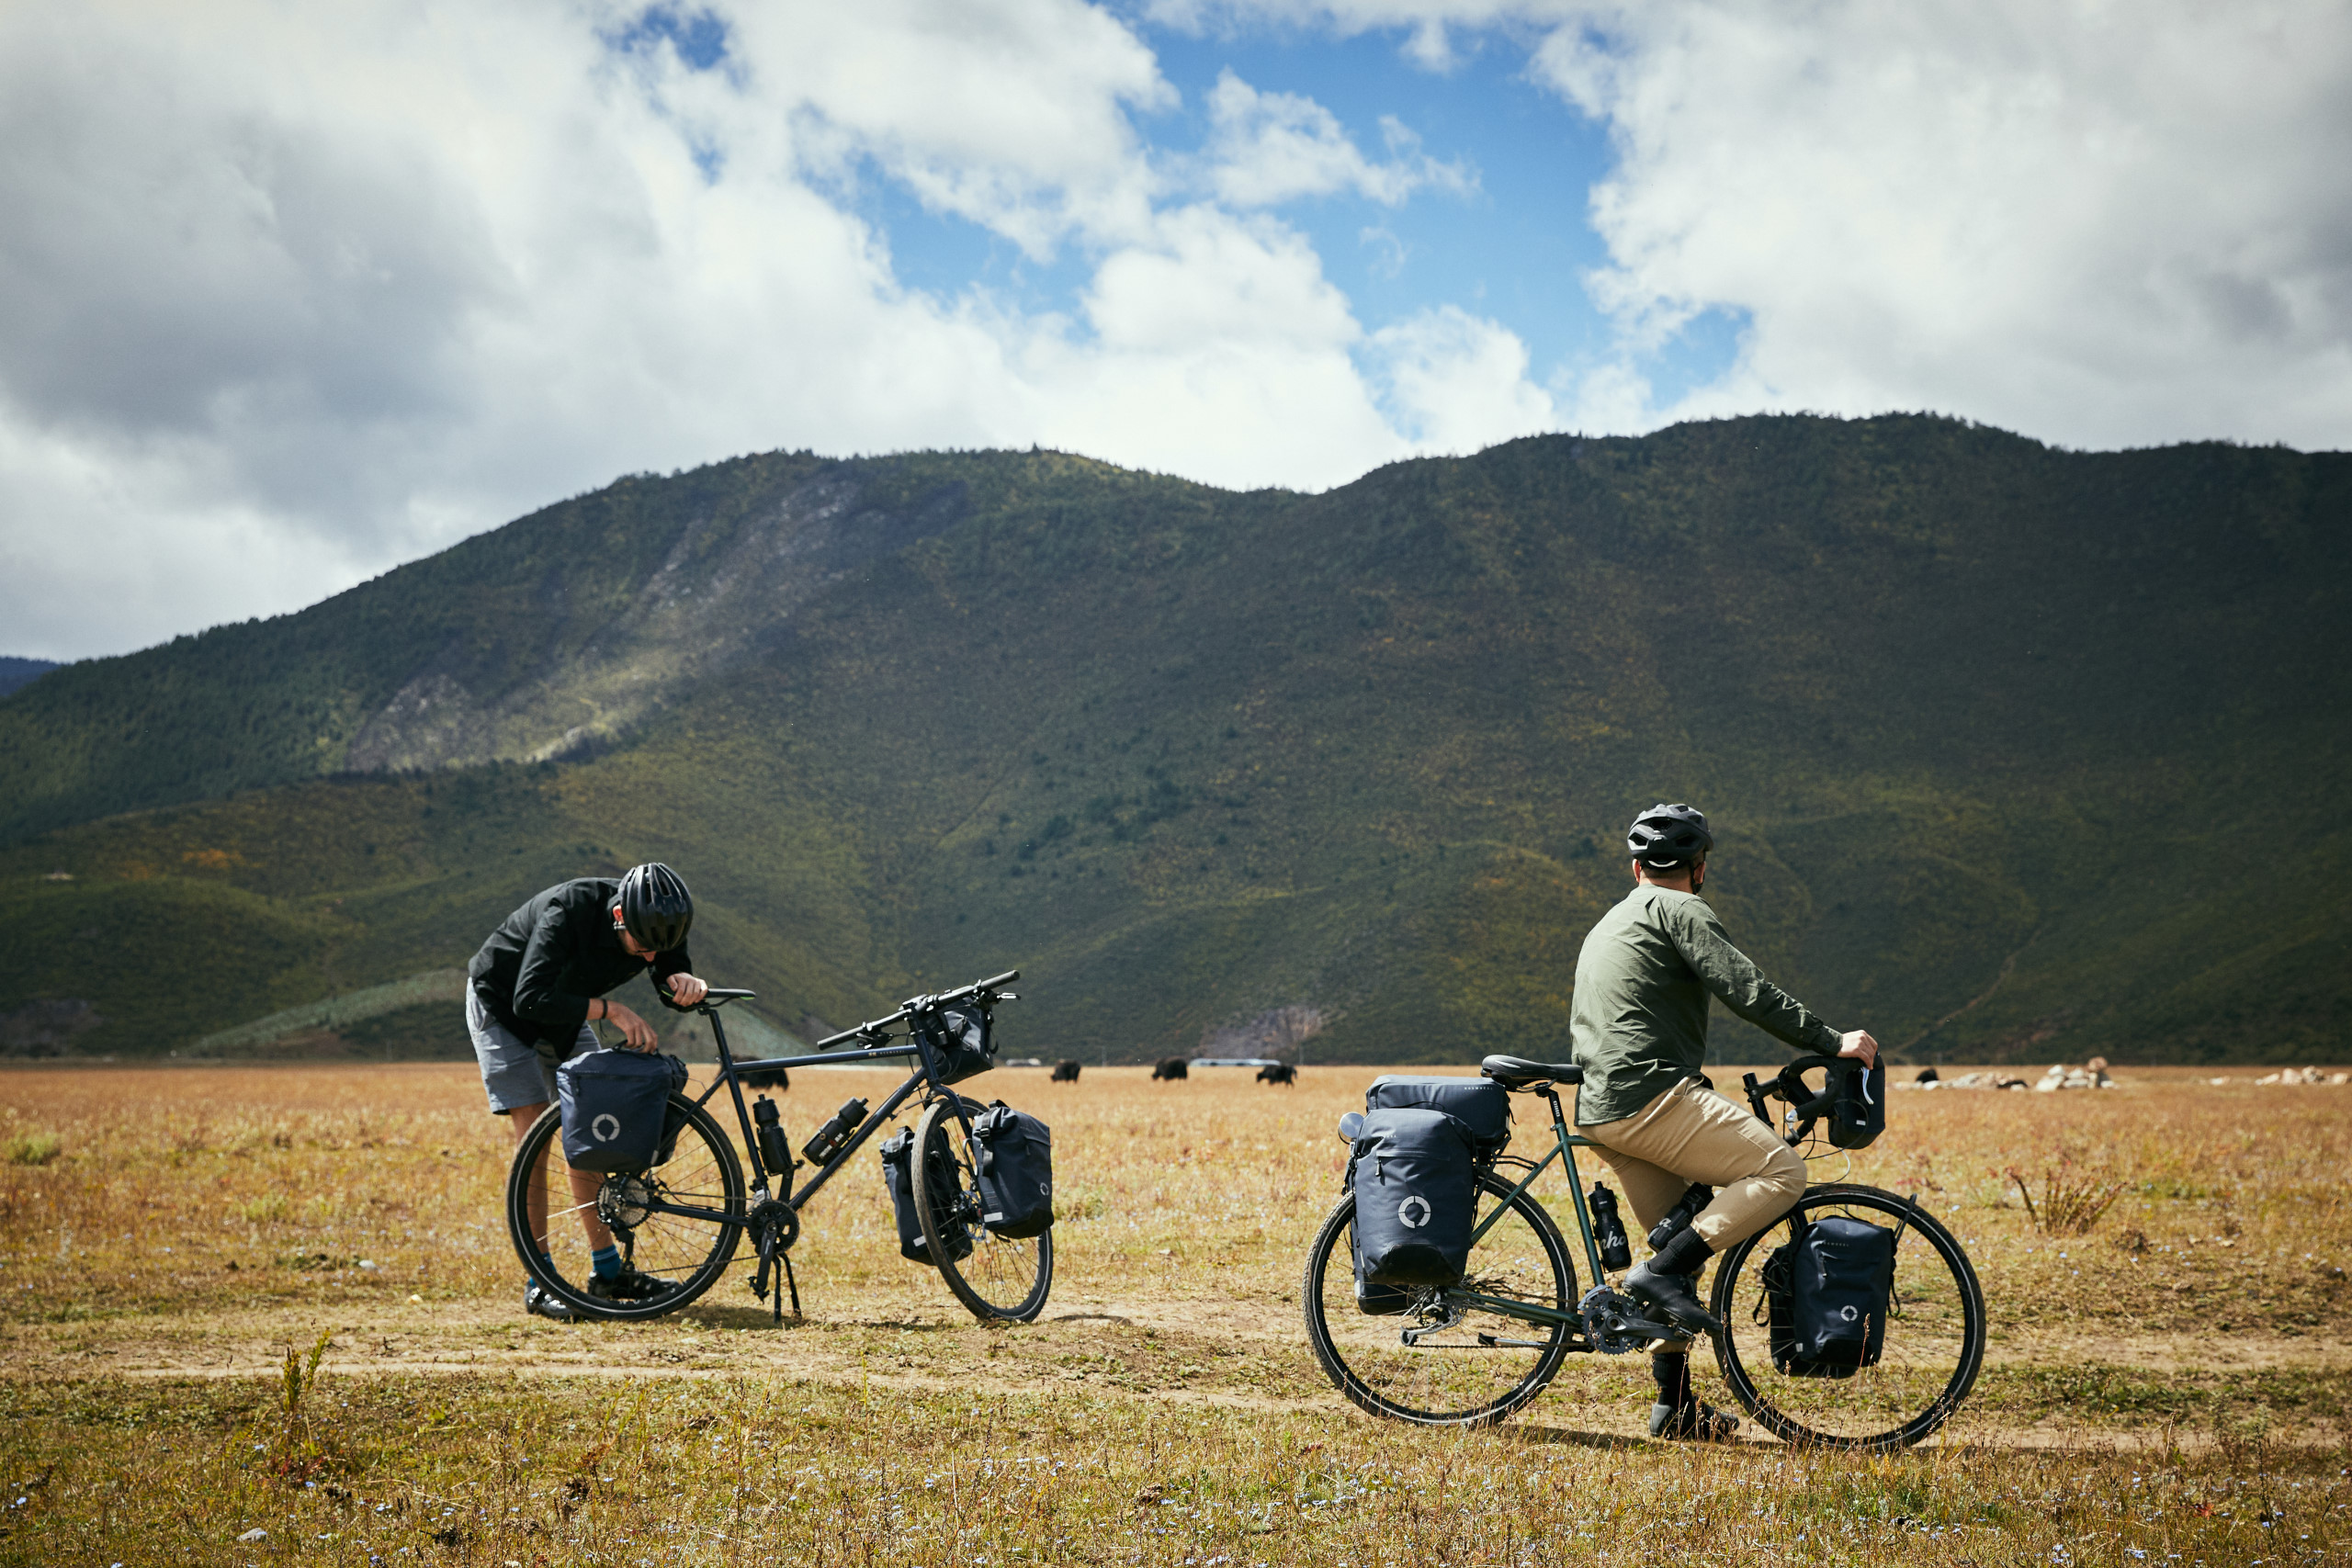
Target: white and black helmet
<point>1669,838</point>
<point>656,907</point>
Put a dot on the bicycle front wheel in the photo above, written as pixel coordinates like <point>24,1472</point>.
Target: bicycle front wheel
<point>993,1276</point>
<point>1934,1341</point>
<point>1445,1360</point>
<point>676,1226</point>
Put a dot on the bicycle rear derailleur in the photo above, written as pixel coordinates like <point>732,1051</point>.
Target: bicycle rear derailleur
<point>1614,1323</point>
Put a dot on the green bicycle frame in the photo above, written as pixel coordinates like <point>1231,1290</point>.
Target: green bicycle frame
<point>1564,1147</point>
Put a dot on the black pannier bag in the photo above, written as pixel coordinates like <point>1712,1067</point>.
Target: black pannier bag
<point>1827,1294</point>
<point>616,1109</point>
<point>1481,1106</point>
<point>963,1042</point>
<point>1414,1175</point>
<point>1375,1301</point>
<point>898,1175</point>
<point>1015,1154</point>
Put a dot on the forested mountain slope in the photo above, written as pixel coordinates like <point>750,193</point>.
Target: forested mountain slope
<point>2012,752</point>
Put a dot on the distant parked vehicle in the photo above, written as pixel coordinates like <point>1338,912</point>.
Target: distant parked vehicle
<point>1065,1072</point>
<point>1278,1072</point>
<point>1172,1069</point>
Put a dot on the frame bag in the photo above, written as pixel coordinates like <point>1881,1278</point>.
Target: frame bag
<point>1015,1152</point>
<point>1826,1296</point>
<point>963,1042</point>
<point>616,1109</point>
<point>898,1175</point>
<point>1414,1176</point>
<point>1483,1107</point>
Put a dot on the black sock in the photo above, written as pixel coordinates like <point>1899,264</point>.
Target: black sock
<point>1686,1253</point>
<point>1672,1371</point>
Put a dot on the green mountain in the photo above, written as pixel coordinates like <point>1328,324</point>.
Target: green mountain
<point>2013,752</point>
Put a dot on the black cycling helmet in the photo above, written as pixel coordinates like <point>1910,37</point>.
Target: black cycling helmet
<point>1669,838</point>
<point>656,907</point>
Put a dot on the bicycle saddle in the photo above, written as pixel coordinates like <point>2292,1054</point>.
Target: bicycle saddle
<point>1518,1072</point>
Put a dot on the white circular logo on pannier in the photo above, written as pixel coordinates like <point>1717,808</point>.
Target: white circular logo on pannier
<point>607,1127</point>
<point>1849,1314</point>
<point>1412,1219</point>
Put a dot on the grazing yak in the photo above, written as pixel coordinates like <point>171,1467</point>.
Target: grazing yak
<point>1065,1072</point>
<point>1278,1072</point>
<point>764,1078</point>
<point>1173,1067</point>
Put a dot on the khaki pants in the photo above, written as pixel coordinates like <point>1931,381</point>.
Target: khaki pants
<point>1691,1133</point>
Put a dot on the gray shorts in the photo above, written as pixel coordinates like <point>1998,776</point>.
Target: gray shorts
<point>514,1074</point>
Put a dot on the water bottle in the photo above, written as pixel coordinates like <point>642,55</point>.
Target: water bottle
<point>775,1149</point>
<point>1685,1210</point>
<point>831,1137</point>
<point>1616,1252</point>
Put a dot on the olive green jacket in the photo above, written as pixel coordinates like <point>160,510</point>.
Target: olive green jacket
<point>1639,1025</point>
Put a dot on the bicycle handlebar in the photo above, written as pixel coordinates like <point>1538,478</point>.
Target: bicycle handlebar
<point>922,1004</point>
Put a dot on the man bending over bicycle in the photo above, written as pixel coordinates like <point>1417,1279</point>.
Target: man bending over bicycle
<point>1639,1027</point>
<point>538,982</point>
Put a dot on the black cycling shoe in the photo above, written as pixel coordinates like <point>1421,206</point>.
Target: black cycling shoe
<point>537,1299</point>
<point>628,1285</point>
<point>1693,1422</point>
<point>1673,1295</point>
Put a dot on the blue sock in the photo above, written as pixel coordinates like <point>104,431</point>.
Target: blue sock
<point>606,1261</point>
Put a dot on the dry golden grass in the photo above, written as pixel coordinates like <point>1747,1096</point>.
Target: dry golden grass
<point>167,1235</point>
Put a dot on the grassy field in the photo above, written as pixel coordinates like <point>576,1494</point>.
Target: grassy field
<point>2171,1387</point>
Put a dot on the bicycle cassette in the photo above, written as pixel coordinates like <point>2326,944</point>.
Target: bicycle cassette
<point>1614,1323</point>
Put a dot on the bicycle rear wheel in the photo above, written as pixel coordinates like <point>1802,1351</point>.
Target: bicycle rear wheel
<point>993,1276</point>
<point>1934,1343</point>
<point>676,1225</point>
<point>1478,1363</point>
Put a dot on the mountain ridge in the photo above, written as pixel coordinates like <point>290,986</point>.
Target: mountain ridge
<point>1190,755</point>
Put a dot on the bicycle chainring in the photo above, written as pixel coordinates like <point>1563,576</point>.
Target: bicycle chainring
<point>1614,1322</point>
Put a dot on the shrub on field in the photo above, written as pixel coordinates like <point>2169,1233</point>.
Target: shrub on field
<point>33,1148</point>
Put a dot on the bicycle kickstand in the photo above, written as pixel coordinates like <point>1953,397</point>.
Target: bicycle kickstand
<point>792,1284</point>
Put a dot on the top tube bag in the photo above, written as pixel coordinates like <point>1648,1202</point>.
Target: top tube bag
<point>616,1109</point>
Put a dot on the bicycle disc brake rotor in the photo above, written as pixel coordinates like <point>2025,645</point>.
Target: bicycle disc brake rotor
<point>1608,1322</point>
<point>624,1203</point>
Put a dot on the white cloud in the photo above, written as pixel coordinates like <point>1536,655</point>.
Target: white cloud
<point>1269,148</point>
<point>2102,225</point>
<point>297,293</point>
<point>1458,383</point>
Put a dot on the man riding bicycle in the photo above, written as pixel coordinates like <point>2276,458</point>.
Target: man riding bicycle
<point>537,986</point>
<point>1639,1027</point>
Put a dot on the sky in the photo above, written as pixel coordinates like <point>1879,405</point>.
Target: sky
<point>292,293</point>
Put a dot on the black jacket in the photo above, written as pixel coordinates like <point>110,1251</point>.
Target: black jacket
<point>549,959</point>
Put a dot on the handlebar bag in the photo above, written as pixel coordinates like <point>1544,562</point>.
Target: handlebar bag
<point>1859,1114</point>
<point>616,1108</point>
<point>1481,1106</point>
<point>1015,1154</point>
<point>1414,1181</point>
<point>1839,1278</point>
<point>962,1041</point>
<point>898,1175</point>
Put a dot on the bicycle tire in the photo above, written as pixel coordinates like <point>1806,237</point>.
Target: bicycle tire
<point>996,1278</point>
<point>1934,1343</point>
<point>1430,1384</point>
<point>687,1253</point>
